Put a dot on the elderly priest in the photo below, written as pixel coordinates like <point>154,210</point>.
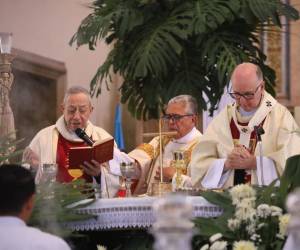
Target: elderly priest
<point>52,144</point>
<point>228,153</point>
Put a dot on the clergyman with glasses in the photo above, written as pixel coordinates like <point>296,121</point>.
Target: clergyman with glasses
<point>180,117</point>
<point>52,145</point>
<point>228,154</point>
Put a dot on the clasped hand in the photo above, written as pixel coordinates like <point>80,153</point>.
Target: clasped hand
<point>168,173</point>
<point>240,158</point>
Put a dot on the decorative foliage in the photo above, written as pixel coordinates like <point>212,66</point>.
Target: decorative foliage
<point>54,205</point>
<point>163,48</point>
<point>8,145</point>
<point>253,216</point>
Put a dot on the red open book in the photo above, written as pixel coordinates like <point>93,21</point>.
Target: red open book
<point>101,151</point>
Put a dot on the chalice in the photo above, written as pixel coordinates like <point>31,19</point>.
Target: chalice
<point>128,171</point>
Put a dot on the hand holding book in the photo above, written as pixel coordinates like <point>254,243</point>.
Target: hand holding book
<point>101,151</point>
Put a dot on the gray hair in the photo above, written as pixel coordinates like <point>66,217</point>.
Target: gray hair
<point>190,102</point>
<point>76,90</point>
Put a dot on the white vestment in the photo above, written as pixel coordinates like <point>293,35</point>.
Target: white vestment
<point>16,235</point>
<point>278,143</point>
<point>147,156</point>
<point>44,145</point>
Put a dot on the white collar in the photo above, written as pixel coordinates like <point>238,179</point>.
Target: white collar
<point>246,113</point>
<point>11,220</point>
<point>266,106</point>
<point>71,136</point>
<point>188,137</point>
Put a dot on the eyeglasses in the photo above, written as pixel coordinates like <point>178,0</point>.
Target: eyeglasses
<point>175,117</point>
<point>71,110</point>
<point>246,95</point>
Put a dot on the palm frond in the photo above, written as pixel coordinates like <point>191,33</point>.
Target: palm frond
<point>141,97</point>
<point>209,15</point>
<point>266,10</point>
<point>158,45</point>
<point>112,17</point>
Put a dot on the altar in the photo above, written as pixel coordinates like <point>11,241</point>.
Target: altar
<point>132,213</point>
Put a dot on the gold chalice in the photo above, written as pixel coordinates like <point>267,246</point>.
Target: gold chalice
<point>75,173</point>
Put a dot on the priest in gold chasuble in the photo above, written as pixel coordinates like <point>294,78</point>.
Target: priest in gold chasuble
<point>180,118</point>
<point>228,154</point>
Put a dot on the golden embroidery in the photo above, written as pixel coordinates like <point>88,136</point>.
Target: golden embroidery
<point>252,144</point>
<point>236,142</point>
<point>188,153</point>
<point>165,141</point>
<point>148,149</point>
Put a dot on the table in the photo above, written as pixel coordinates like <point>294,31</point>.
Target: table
<point>130,213</point>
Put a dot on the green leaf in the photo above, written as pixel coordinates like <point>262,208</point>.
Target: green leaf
<point>210,15</point>
<point>8,147</point>
<point>52,205</point>
<point>178,47</point>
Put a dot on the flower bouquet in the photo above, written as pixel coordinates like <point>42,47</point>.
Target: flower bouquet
<point>253,217</point>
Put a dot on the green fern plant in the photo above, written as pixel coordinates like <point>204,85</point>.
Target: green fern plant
<point>56,204</point>
<point>163,48</point>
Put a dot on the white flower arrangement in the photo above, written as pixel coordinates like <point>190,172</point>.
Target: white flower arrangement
<point>241,192</point>
<point>215,237</point>
<point>276,211</point>
<point>233,224</point>
<point>248,226</point>
<point>244,245</point>
<point>283,224</point>
<point>219,245</point>
<point>263,211</point>
<point>99,247</point>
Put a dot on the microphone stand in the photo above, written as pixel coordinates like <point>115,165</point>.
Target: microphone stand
<point>260,131</point>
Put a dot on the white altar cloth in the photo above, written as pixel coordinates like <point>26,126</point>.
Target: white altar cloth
<point>135,212</point>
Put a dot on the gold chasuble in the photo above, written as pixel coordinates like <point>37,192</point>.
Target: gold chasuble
<point>228,128</point>
<point>147,156</point>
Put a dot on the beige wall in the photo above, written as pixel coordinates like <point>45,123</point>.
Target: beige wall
<point>44,27</point>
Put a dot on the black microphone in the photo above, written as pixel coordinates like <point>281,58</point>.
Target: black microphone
<point>259,131</point>
<point>82,135</point>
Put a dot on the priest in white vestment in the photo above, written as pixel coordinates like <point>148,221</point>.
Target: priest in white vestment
<point>52,145</point>
<point>228,153</point>
<point>180,116</point>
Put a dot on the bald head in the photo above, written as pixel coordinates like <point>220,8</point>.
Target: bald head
<point>247,80</point>
<point>246,73</point>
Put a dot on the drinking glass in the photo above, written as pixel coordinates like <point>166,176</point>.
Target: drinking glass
<point>46,184</point>
<point>49,171</point>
